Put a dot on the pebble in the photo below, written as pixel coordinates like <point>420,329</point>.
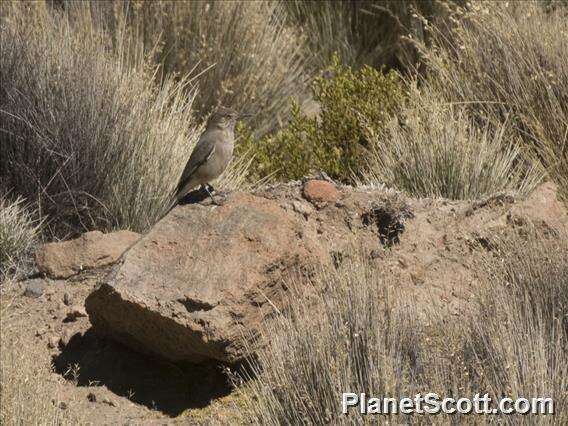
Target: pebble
<point>52,342</point>
<point>75,312</point>
<point>34,288</point>
<point>302,208</point>
<point>109,402</point>
<point>67,336</point>
<point>67,299</point>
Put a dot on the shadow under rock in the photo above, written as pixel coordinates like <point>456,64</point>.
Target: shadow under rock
<point>156,384</point>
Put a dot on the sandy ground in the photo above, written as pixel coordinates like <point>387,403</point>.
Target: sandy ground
<point>104,382</point>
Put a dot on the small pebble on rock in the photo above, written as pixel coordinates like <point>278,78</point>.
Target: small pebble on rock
<point>109,402</point>
<point>67,299</point>
<point>302,208</point>
<point>320,191</point>
<point>67,336</point>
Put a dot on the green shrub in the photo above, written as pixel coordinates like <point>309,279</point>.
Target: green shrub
<point>332,142</point>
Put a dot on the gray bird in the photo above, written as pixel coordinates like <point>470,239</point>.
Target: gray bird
<point>212,154</point>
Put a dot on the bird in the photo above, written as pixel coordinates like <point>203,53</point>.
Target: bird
<point>212,153</point>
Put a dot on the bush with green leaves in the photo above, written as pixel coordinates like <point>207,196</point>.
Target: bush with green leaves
<point>333,141</point>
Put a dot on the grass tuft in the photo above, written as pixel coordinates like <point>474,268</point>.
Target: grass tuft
<point>19,234</point>
<point>507,62</point>
<point>85,130</point>
<point>246,55</point>
<point>434,149</point>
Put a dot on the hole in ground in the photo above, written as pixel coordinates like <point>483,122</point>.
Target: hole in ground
<point>158,385</point>
<point>389,223</point>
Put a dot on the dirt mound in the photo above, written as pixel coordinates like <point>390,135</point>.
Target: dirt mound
<point>206,276</point>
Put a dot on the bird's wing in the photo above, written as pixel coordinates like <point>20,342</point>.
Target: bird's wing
<point>201,153</point>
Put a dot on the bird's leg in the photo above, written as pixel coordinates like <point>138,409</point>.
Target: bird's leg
<point>217,203</point>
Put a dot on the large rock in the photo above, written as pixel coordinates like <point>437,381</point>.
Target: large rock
<point>91,250</point>
<point>185,289</point>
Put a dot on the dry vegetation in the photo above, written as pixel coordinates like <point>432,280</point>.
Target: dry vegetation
<point>507,62</point>
<point>247,57</point>
<point>435,149</point>
<point>367,338</point>
<point>19,235</point>
<point>86,134</point>
<point>362,32</point>
<point>100,105</point>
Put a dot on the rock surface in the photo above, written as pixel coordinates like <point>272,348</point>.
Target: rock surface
<point>91,250</point>
<point>206,276</point>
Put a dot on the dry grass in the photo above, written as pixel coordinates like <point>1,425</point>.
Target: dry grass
<point>520,339</point>
<point>368,32</point>
<point>507,62</point>
<point>434,149</point>
<point>249,59</point>
<point>359,340</point>
<point>368,337</point>
<point>19,233</point>
<point>86,133</point>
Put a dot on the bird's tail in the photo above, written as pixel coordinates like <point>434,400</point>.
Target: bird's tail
<point>181,192</point>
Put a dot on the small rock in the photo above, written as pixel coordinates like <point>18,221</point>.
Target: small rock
<point>52,342</point>
<point>35,288</point>
<point>76,311</point>
<point>62,405</point>
<point>302,208</point>
<point>67,299</point>
<point>90,251</point>
<point>320,191</point>
<point>92,397</point>
<point>109,402</point>
<point>41,331</point>
<point>375,254</point>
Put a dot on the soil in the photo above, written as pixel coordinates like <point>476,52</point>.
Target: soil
<point>105,382</point>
